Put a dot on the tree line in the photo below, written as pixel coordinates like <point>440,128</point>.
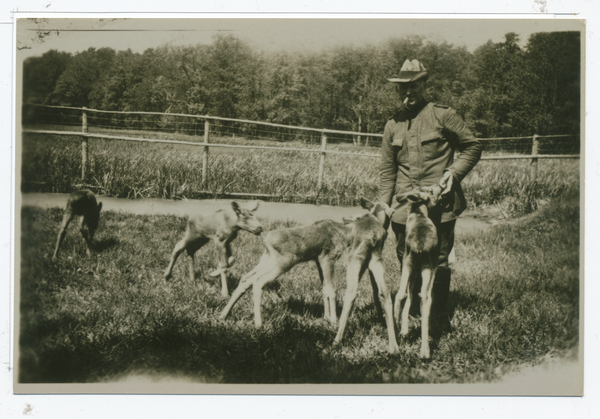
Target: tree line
<point>501,89</point>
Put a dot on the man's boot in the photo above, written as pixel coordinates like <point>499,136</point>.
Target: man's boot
<point>440,320</point>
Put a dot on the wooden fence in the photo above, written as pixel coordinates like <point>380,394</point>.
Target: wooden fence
<point>85,135</point>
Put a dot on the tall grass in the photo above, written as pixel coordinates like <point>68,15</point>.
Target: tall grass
<point>514,298</point>
<point>135,170</point>
<point>508,184</point>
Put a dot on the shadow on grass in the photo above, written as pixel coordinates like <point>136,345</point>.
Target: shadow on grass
<point>458,300</point>
<point>208,351</point>
<point>302,308</point>
<point>105,244</point>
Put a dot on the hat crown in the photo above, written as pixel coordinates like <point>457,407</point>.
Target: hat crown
<point>413,65</point>
<point>411,71</point>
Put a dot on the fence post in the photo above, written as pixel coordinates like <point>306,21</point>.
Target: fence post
<point>84,143</point>
<point>534,161</point>
<point>205,152</point>
<point>322,162</point>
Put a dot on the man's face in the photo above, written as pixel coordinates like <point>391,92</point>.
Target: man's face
<point>413,91</point>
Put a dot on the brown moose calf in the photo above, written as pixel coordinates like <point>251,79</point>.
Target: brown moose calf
<point>80,203</point>
<point>222,227</point>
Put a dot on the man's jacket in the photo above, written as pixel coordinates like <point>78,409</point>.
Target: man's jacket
<point>418,147</point>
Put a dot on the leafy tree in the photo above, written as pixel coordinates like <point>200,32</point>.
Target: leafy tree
<point>493,74</point>
<point>40,75</point>
<point>548,90</point>
<point>285,89</point>
<point>500,88</point>
<point>115,91</point>
<point>79,83</point>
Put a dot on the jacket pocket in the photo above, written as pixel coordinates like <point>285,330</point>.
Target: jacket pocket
<point>433,145</point>
<point>400,149</point>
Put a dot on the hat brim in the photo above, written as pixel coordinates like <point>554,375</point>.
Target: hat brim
<point>409,76</point>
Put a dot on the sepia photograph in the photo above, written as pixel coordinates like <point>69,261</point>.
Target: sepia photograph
<point>366,206</point>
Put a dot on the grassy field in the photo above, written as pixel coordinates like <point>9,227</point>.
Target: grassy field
<point>52,163</point>
<point>514,299</point>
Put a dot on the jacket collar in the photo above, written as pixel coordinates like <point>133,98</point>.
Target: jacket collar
<point>406,114</point>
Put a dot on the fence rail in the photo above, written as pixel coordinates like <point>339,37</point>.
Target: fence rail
<point>259,147</point>
<point>159,122</point>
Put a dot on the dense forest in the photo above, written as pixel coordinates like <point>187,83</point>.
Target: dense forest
<point>501,89</point>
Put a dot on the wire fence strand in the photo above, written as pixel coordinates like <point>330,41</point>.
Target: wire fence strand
<point>153,154</point>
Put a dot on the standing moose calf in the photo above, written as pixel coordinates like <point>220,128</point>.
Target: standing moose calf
<point>80,203</point>
<point>420,259</point>
<point>222,227</point>
<point>324,242</point>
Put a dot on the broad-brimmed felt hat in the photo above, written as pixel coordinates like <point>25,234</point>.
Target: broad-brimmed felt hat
<point>410,71</point>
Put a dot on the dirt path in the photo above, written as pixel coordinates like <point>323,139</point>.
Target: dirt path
<point>301,213</point>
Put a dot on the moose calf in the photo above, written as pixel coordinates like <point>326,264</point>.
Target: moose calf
<point>80,203</point>
<point>222,227</point>
<point>324,242</point>
<point>420,257</point>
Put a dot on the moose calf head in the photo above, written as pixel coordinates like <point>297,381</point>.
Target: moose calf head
<point>246,219</point>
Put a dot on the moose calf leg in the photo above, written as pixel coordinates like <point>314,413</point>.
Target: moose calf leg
<point>326,269</point>
<point>354,271</point>
<point>244,284</point>
<point>426,287</point>
<point>86,235</point>
<point>330,308</point>
<point>179,247</point>
<point>191,270</point>
<point>376,300</point>
<point>67,217</point>
<point>403,294</point>
<point>223,268</point>
<point>262,279</point>
<point>377,273</point>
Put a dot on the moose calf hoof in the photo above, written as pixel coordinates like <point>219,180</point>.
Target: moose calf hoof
<point>393,348</point>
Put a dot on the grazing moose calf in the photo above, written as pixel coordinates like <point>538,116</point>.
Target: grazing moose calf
<point>80,203</point>
<point>221,227</point>
<point>420,256</point>
<point>324,242</point>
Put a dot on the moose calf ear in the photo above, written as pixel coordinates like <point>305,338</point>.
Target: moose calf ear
<point>235,206</point>
<point>348,220</point>
<point>379,211</point>
<point>365,203</point>
<point>99,206</point>
<point>376,208</point>
<point>253,206</point>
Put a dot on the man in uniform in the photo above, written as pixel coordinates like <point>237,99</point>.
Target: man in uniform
<point>418,149</point>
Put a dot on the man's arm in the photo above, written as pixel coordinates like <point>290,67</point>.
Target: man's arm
<point>388,168</point>
<point>469,147</point>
